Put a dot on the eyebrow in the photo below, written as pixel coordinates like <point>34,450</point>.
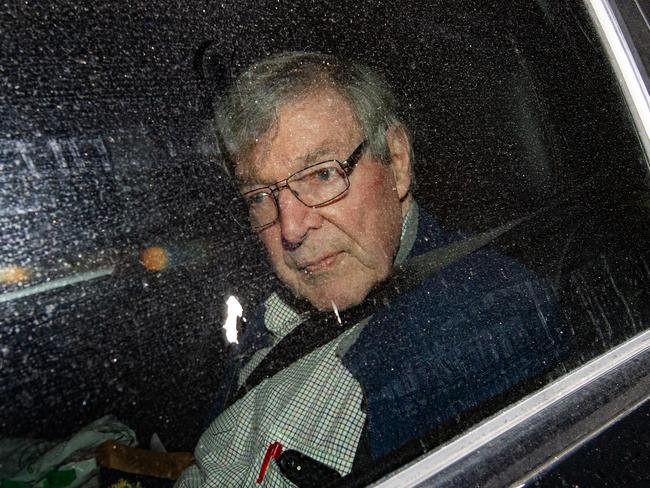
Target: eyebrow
<point>316,156</point>
<point>312,157</point>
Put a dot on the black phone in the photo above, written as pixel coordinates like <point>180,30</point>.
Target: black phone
<point>304,471</point>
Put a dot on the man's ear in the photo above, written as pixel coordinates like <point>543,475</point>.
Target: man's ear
<point>399,147</point>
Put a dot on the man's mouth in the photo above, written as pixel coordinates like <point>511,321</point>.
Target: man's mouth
<point>320,264</point>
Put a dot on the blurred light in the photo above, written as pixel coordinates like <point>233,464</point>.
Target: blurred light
<point>235,311</point>
<point>12,275</point>
<point>155,258</point>
<point>175,254</point>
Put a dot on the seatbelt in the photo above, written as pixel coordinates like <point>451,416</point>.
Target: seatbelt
<point>322,327</point>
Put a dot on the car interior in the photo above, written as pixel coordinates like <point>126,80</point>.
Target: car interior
<point>119,252</point>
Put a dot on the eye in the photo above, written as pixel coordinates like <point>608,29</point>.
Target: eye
<point>325,174</point>
<point>258,198</point>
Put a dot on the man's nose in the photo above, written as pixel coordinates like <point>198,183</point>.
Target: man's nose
<point>296,218</point>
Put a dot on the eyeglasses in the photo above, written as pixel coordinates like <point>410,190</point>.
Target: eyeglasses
<point>315,186</point>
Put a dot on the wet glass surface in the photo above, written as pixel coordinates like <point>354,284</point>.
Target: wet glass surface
<point>118,253</point>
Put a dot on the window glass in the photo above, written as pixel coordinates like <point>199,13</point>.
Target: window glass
<point>120,243</point>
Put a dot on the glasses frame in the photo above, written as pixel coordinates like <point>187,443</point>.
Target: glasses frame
<point>346,165</point>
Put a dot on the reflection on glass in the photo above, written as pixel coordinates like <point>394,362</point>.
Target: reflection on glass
<point>12,275</point>
<point>119,252</point>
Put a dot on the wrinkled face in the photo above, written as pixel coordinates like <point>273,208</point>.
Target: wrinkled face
<point>335,253</point>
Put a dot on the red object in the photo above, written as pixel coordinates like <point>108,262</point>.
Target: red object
<point>273,452</point>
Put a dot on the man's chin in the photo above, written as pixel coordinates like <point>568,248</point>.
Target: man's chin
<point>329,291</point>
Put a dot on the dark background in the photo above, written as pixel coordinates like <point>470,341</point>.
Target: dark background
<point>105,150</point>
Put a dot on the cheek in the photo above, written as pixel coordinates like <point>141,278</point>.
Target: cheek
<point>381,241</point>
<point>378,219</point>
<point>272,241</point>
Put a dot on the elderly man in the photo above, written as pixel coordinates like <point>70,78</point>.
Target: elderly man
<point>324,165</point>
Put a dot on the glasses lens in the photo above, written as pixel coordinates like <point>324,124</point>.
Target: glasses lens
<point>313,186</point>
<point>262,210</point>
<point>320,183</point>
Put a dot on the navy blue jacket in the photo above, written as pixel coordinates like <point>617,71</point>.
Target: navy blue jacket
<point>467,333</point>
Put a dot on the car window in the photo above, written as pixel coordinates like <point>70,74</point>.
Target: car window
<point>121,247</point>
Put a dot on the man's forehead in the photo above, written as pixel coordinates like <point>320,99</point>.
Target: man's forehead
<point>306,130</point>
